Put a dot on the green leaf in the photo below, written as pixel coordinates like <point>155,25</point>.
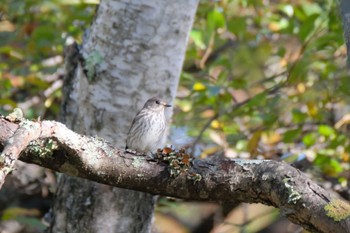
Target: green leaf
<point>239,83</point>
<point>326,130</point>
<point>291,135</point>
<point>344,85</point>
<point>10,102</point>
<point>197,38</point>
<point>215,19</point>
<point>44,35</point>
<point>230,129</point>
<point>326,41</point>
<point>237,26</point>
<point>257,100</point>
<point>32,222</point>
<point>298,116</point>
<point>311,8</point>
<point>329,165</point>
<point>287,9</point>
<point>309,139</point>
<point>338,141</point>
<point>308,27</point>
<point>241,145</point>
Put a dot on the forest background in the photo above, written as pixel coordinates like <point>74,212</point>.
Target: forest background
<point>261,79</point>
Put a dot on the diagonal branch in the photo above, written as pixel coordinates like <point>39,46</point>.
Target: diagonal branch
<point>220,180</point>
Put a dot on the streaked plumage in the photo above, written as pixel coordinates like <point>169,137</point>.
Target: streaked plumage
<point>148,128</point>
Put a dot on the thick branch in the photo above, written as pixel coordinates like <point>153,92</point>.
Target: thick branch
<point>222,180</point>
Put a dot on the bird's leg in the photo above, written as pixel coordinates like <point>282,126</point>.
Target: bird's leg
<point>130,151</point>
<point>134,152</point>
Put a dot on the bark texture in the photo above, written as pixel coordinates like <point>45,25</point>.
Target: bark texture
<point>14,146</point>
<point>221,180</point>
<point>134,50</point>
<point>345,12</point>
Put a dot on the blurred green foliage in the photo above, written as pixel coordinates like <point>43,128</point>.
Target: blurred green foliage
<point>32,38</point>
<point>261,78</point>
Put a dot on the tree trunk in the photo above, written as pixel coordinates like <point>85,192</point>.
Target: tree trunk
<point>134,50</point>
<point>345,12</point>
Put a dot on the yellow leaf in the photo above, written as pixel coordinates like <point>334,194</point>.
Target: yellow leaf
<point>283,62</point>
<point>271,138</point>
<point>301,88</point>
<point>209,151</point>
<point>199,86</point>
<point>273,26</point>
<point>14,212</point>
<point>215,124</point>
<point>345,157</point>
<point>254,142</point>
<point>312,109</point>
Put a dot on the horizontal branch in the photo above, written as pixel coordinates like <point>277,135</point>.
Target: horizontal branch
<point>219,180</point>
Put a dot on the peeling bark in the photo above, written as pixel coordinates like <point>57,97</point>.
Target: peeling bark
<point>222,180</point>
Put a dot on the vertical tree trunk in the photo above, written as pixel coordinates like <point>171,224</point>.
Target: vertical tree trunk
<point>134,50</point>
<point>345,12</point>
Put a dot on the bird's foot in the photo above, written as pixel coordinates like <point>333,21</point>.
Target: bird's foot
<point>134,152</point>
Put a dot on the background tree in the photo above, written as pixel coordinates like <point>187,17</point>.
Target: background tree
<point>261,79</point>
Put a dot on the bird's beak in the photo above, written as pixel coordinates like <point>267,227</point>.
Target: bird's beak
<point>165,104</point>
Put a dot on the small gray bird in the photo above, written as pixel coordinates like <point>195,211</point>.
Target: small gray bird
<point>148,128</point>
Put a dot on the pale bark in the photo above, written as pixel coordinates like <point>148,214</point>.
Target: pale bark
<point>345,12</point>
<point>14,146</point>
<point>134,50</point>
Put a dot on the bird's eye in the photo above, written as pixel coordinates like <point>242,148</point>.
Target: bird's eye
<point>157,102</point>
